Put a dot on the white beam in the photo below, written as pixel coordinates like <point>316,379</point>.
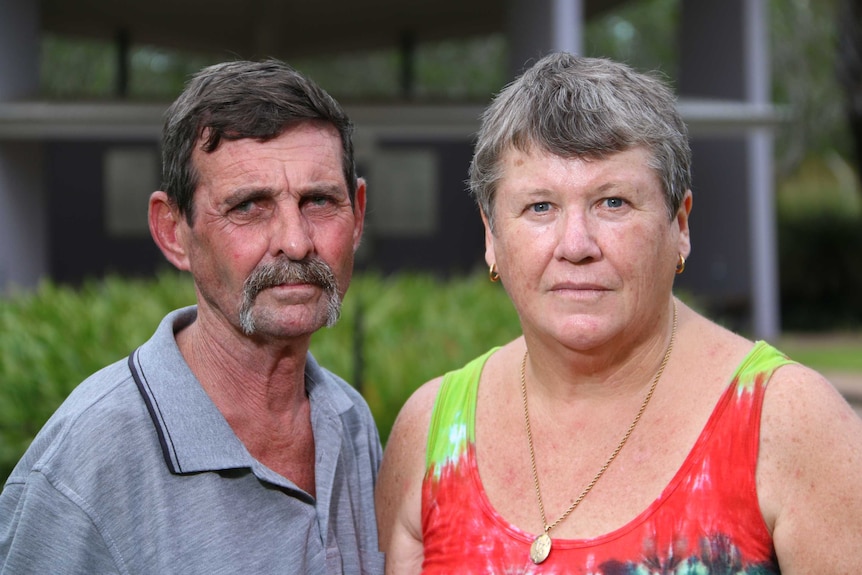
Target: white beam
<point>766,323</point>
<point>567,19</point>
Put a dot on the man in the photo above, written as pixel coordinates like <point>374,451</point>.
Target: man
<point>220,445</point>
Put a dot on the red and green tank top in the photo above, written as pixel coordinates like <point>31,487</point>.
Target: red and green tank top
<point>707,520</point>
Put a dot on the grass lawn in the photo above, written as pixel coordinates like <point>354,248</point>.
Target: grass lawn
<point>825,352</point>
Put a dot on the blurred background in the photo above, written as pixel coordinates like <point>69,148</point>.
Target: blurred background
<point>771,91</point>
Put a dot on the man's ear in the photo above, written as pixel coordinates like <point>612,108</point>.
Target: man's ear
<point>167,226</point>
<point>358,213</point>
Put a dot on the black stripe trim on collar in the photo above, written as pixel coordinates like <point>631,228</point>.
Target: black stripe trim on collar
<point>140,381</point>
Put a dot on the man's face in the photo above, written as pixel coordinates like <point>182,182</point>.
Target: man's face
<point>272,243</point>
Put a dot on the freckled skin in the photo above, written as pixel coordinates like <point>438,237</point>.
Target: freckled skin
<point>585,248</point>
<point>587,252</point>
<point>257,201</point>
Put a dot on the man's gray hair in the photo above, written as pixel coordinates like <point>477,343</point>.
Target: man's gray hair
<point>242,99</point>
<point>572,106</point>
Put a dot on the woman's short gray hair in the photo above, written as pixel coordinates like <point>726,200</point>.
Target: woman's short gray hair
<point>572,106</point>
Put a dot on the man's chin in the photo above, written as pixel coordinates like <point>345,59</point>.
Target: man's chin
<point>286,322</point>
<point>293,292</point>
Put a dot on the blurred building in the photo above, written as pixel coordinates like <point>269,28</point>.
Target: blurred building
<point>74,178</point>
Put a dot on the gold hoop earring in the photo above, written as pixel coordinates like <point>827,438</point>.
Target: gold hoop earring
<point>493,274</point>
<point>680,266</point>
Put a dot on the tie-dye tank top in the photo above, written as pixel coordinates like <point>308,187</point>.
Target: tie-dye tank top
<point>706,521</point>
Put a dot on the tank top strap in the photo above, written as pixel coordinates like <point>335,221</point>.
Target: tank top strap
<point>749,389</point>
<point>453,416</point>
<point>758,366</point>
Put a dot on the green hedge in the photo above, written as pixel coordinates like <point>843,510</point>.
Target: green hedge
<point>413,328</point>
<point>50,340</point>
<point>820,262</point>
<point>395,332</point>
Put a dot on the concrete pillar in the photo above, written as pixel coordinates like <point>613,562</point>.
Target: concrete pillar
<point>764,257</point>
<point>23,257</point>
<point>537,27</point>
<point>723,55</point>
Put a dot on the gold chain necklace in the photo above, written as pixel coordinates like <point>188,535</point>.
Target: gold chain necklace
<point>541,547</point>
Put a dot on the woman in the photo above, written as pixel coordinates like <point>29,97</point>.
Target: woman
<point>622,432</point>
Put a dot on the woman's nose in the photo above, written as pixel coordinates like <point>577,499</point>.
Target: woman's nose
<point>576,238</point>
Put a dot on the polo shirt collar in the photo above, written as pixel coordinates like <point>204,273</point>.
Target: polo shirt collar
<point>194,435</point>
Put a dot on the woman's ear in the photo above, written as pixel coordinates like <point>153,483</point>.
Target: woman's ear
<point>167,226</point>
<point>490,256</point>
<point>682,221</point>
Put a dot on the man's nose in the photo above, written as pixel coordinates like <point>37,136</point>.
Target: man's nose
<point>291,235</point>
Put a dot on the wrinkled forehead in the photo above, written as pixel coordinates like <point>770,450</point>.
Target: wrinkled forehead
<point>513,159</point>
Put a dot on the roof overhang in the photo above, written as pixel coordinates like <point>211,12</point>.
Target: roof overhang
<point>280,28</point>
<point>119,120</point>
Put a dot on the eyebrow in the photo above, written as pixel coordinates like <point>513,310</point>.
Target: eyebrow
<point>247,193</point>
<point>250,192</point>
<point>616,185</point>
<point>324,188</point>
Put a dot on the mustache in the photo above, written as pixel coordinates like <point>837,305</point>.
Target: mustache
<point>312,271</point>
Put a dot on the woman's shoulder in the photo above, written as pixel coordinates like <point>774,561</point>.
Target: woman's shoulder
<point>809,466</point>
<point>415,415</point>
<point>709,350</point>
<point>416,411</point>
<point>798,396</point>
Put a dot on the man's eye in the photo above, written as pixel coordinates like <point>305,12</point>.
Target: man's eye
<point>614,202</point>
<point>243,207</point>
<point>318,200</point>
<point>541,207</point>
<point>249,210</point>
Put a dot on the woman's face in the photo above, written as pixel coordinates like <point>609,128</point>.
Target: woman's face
<point>584,247</point>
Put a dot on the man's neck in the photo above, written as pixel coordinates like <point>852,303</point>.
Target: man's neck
<point>260,390</point>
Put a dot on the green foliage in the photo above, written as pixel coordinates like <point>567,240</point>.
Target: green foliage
<point>819,246</point>
<point>371,75</point>
<point>823,186</point>
<point>52,339</point>
<point>74,68</point>
<point>835,352</point>
<point>821,272</point>
<point>158,74</point>
<point>804,36</point>
<point>77,68</point>
<point>642,34</point>
<point>472,69</point>
<point>395,334</point>
<point>413,328</point>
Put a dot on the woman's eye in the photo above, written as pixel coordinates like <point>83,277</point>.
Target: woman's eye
<point>614,202</point>
<point>541,207</point>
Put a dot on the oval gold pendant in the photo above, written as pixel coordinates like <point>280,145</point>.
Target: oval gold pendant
<point>540,549</point>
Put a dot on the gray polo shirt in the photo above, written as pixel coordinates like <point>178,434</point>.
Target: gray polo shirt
<point>138,472</point>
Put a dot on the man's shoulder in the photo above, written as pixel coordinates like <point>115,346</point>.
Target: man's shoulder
<point>101,392</point>
<point>90,424</point>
